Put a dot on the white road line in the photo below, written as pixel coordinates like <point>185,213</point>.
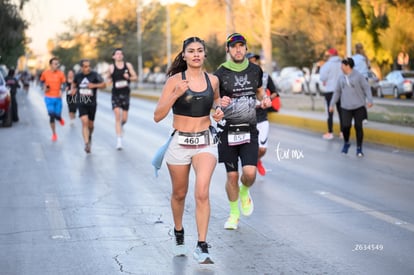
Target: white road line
<point>55,216</point>
<point>367,210</point>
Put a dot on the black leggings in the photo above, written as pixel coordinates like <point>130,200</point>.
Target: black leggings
<point>358,115</point>
<point>328,97</point>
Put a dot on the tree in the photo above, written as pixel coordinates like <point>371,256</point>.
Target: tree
<point>290,32</point>
<point>258,14</point>
<point>301,40</point>
<point>399,36</point>
<point>12,37</point>
<point>216,54</point>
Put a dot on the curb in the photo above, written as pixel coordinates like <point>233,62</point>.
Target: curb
<point>371,135</point>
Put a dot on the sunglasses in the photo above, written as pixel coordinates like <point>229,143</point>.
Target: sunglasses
<point>236,38</point>
<point>191,40</point>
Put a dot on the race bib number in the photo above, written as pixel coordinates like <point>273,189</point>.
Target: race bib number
<point>193,139</point>
<point>121,84</point>
<point>85,91</point>
<point>238,134</point>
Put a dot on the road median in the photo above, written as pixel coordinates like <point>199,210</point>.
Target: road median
<point>374,132</point>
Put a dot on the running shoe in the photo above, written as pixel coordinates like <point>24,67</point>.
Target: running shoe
<point>246,204</point>
<point>201,254</point>
<point>359,152</point>
<point>179,246</point>
<point>260,168</point>
<point>87,148</point>
<point>54,137</point>
<point>346,148</point>
<point>62,122</point>
<point>232,222</point>
<point>328,136</point>
<point>119,144</point>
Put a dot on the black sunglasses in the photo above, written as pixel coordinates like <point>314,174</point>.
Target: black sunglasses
<point>191,40</point>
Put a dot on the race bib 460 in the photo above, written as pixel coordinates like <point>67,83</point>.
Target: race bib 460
<point>193,139</point>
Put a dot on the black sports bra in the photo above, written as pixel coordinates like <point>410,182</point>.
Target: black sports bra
<point>195,104</point>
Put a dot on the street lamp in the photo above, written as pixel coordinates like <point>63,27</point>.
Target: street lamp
<point>168,36</point>
<point>139,39</point>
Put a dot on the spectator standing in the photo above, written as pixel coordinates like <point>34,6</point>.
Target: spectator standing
<point>240,87</point>
<point>261,114</point>
<point>329,75</point>
<point>355,94</point>
<point>403,60</point>
<point>13,84</point>
<point>361,60</point>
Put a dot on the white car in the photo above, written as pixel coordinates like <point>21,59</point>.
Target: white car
<point>290,80</point>
<point>316,86</point>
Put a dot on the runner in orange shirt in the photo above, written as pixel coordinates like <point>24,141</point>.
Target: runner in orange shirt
<point>53,80</point>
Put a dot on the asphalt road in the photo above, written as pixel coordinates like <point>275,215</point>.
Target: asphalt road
<point>316,211</point>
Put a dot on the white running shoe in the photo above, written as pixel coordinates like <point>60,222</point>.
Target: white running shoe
<point>328,136</point>
<point>179,248</point>
<point>246,204</point>
<point>232,222</point>
<point>119,144</point>
<point>201,254</point>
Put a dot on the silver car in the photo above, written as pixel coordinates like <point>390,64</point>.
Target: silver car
<point>290,80</point>
<point>397,83</point>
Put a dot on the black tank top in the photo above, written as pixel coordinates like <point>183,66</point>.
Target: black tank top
<point>195,104</point>
<point>119,84</point>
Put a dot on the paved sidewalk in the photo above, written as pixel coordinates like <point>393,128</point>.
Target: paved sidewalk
<point>379,133</point>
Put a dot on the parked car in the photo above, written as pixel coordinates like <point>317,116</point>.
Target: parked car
<point>5,103</point>
<point>397,83</point>
<point>290,80</point>
<point>3,70</point>
<point>315,84</point>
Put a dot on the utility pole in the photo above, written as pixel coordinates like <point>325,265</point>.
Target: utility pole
<point>229,17</point>
<point>139,40</point>
<point>168,36</point>
<point>348,29</point>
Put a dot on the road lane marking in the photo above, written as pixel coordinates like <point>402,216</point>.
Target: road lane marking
<point>56,220</point>
<point>367,210</point>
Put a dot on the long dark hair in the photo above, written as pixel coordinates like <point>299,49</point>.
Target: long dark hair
<point>179,64</point>
<point>67,74</point>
